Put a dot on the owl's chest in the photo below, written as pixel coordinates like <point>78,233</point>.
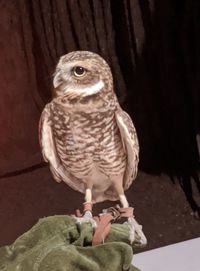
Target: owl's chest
<point>86,134</point>
<point>85,142</point>
<point>91,131</point>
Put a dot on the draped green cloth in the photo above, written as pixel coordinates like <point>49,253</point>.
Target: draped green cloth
<point>57,243</point>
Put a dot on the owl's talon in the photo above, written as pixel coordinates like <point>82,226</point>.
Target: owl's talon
<point>136,234</point>
<point>86,218</point>
<point>88,214</point>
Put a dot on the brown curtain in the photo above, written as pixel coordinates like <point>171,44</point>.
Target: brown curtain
<point>153,48</point>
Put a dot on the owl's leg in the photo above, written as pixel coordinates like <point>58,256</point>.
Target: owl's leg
<point>117,182</point>
<point>88,203</point>
<point>136,234</point>
<point>87,217</point>
<point>88,197</point>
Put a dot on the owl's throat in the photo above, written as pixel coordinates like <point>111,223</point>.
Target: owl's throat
<point>83,90</point>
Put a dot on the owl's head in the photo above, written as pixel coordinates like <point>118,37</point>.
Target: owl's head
<point>81,74</point>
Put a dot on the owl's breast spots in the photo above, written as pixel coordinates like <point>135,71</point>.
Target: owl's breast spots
<point>88,140</point>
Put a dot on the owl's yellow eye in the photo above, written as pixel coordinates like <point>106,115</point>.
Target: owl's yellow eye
<point>79,71</point>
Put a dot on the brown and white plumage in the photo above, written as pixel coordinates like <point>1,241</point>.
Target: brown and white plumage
<point>88,140</point>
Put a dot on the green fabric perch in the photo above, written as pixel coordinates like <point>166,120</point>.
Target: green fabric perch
<point>57,243</point>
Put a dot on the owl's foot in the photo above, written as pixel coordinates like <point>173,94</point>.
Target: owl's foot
<point>87,217</point>
<point>136,234</point>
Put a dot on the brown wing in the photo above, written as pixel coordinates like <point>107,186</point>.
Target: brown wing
<point>50,153</point>
<point>131,146</point>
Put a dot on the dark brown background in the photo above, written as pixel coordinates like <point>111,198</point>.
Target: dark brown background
<point>153,48</point>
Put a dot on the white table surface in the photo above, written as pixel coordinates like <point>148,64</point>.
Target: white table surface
<point>184,256</point>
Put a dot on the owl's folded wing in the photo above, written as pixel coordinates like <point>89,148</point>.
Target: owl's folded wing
<point>130,144</point>
<point>47,144</point>
<point>50,152</point>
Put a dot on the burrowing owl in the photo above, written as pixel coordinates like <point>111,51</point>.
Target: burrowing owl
<point>88,140</point>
